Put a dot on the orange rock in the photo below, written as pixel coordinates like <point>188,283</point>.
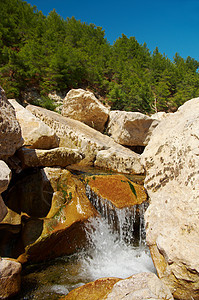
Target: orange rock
<point>117,189</point>
<point>93,290</point>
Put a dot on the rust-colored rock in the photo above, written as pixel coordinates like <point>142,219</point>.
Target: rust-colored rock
<point>117,189</point>
<point>95,290</point>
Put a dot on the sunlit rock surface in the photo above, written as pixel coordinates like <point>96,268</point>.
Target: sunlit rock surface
<point>130,128</point>
<point>10,131</point>
<point>84,106</point>
<point>75,134</point>
<point>49,158</point>
<point>36,134</point>
<point>171,160</point>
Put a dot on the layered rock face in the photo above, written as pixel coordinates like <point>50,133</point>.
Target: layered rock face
<point>172,181</point>
<point>10,131</point>
<point>84,106</point>
<point>36,134</point>
<point>131,128</point>
<point>100,150</point>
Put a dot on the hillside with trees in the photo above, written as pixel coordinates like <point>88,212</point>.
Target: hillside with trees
<point>53,54</point>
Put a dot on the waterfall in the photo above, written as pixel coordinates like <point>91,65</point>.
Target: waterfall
<point>127,222</point>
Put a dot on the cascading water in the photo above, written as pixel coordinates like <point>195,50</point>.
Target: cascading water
<point>116,248</point>
<point>127,223</point>
<point>113,237</point>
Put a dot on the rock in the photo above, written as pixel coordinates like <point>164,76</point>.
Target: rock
<point>54,214</point>
<point>119,159</point>
<point>58,98</point>
<point>5,176</point>
<point>140,286</point>
<point>160,115</point>
<point>130,128</point>
<point>3,209</point>
<point>36,134</point>
<point>75,134</point>
<point>117,190</point>
<point>83,106</point>
<point>95,290</point>
<point>171,160</point>
<point>10,277</point>
<point>10,131</point>
<point>48,158</point>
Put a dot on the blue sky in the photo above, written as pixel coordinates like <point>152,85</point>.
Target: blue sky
<point>172,25</point>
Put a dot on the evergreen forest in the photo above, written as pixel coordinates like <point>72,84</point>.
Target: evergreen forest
<point>53,54</point>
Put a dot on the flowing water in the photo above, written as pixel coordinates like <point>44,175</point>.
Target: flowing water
<point>116,248</point>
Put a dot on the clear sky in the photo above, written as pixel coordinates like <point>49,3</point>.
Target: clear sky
<point>171,25</point>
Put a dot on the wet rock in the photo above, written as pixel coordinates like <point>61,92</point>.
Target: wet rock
<point>117,189</point>
<point>36,134</point>
<point>93,290</point>
<point>130,128</point>
<point>10,277</point>
<point>48,158</point>
<point>172,178</point>
<point>84,106</point>
<point>10,131</point>
<point>74,134</point>
<point>122,203</point>
<point>61,232</point>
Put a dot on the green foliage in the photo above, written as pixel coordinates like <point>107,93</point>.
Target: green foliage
<point>53,54</point>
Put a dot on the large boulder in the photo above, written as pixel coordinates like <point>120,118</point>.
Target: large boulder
<point>36,134</point>
<point>130,128</point>
<point>171,160</point>
<point>10,131</point>
<point>84,106</point>
<point>75,134</point>
<point>140,286</point>
<point>49,158</point>
<point>10,277</point>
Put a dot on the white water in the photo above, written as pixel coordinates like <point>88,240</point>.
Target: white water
<point>109,256</point>
<point>116,248</point>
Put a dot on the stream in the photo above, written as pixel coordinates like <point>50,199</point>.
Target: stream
<point>115,248</point>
